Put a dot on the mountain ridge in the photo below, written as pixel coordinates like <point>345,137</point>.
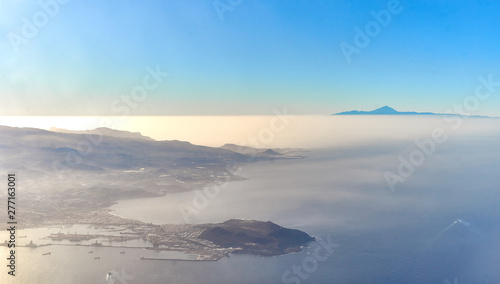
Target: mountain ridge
<point>105,131</point>
<point>386,110</point>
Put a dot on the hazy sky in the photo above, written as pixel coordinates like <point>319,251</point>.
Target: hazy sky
<point>307,132</point>
<point>82,57</point>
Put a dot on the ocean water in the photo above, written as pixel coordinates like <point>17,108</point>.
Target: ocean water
<point>373,234</point>
<point>381,236</point>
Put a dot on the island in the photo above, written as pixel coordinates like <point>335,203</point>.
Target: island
<point>71,178</point>
<point>386,110</point>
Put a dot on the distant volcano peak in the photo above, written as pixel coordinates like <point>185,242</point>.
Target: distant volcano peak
<point>387,110</point>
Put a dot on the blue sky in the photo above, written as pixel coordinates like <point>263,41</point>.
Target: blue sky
<point>259,56</point>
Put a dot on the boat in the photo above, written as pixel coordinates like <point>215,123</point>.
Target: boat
<point>91,251</point>
<point>97,257</point>
<point>47,253</point>
<point>122,252</point>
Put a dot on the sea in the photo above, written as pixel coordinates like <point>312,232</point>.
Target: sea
<point>382,207</point>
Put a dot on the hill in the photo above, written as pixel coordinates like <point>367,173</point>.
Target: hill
<point>255,237</point>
